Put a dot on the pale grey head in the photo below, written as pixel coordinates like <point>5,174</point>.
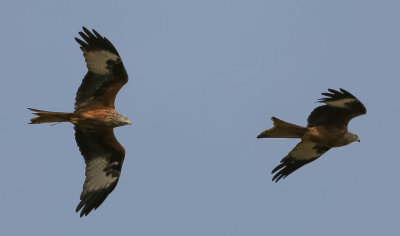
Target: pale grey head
<point>352,137</point>
<point>121,120</point>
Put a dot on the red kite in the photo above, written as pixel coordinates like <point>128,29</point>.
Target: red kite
<point>326,128</point>
<point>94,119</point>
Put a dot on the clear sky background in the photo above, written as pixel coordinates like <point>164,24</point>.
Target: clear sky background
<point>205,77</point>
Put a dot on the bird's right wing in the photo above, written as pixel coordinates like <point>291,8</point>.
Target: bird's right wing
<point>103,156</point>
<point>303,153</point>
<point>106,73</point>
<point>341,106</point>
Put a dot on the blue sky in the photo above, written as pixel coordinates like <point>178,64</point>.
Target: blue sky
<point>205,76</point>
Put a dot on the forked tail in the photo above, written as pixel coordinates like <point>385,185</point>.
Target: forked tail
<point>49,116</point>
<point>282,129</point>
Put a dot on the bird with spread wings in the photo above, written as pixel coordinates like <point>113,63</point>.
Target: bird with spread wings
<point>326,128</point>
<point>94,119</point>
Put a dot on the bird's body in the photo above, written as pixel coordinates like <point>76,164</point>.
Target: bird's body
<point>327,136</point>
<point>94,118</point>
<point>326,129</point>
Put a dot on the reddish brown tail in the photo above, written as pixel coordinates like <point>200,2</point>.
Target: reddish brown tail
<point>283,129</point>
<point>49,116</point>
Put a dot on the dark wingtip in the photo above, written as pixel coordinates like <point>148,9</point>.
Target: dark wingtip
<point>79,207</point>
<point>347,93</point>
<point>97,34</point>
<point>92,40</point>
<point>81,42</point>
<point>276,168</point>
<point>278,175</point>
<point>335,94</point>
<point>88,33</point>
<point>276,178</point>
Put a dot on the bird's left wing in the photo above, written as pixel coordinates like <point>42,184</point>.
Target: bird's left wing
<point>341,106</point>
<point>103,156</point>
<point>303,153</point>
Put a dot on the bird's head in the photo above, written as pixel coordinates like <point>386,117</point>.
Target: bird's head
<point>354,137</point>
<point>122,120</point>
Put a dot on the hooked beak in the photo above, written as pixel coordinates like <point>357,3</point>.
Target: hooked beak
<point>129,122</point>
<point>358,140</point>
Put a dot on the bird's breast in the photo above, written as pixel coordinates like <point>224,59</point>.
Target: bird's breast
<point>105,117</point>
<point>328,137</point>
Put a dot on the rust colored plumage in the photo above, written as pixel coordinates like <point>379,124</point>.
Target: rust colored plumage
<point>326,129</point>
<point>94,119</point>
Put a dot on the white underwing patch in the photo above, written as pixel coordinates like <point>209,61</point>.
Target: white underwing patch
<point>304,151</point>
<point>96,61</point>
<point>96,178</point>
<point>341,102</point>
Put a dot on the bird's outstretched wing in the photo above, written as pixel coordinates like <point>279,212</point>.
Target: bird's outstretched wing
<point>303,153</point>
<point>340,108</point>
<point>106,74</point>
<point>103,156</point>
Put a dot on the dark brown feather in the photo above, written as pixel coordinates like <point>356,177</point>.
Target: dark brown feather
<point>292,162</point>
<point>50,116</point>
<point>98,144</point>
<point>283,129</point>
<point>99,89</point>
<point>329,115</point>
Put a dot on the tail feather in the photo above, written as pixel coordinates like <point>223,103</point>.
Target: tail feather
<point>282,129</point>
<point>49,116</point>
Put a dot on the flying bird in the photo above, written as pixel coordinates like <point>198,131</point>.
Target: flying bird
<point>326,129</point>
<point>94,119</point>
